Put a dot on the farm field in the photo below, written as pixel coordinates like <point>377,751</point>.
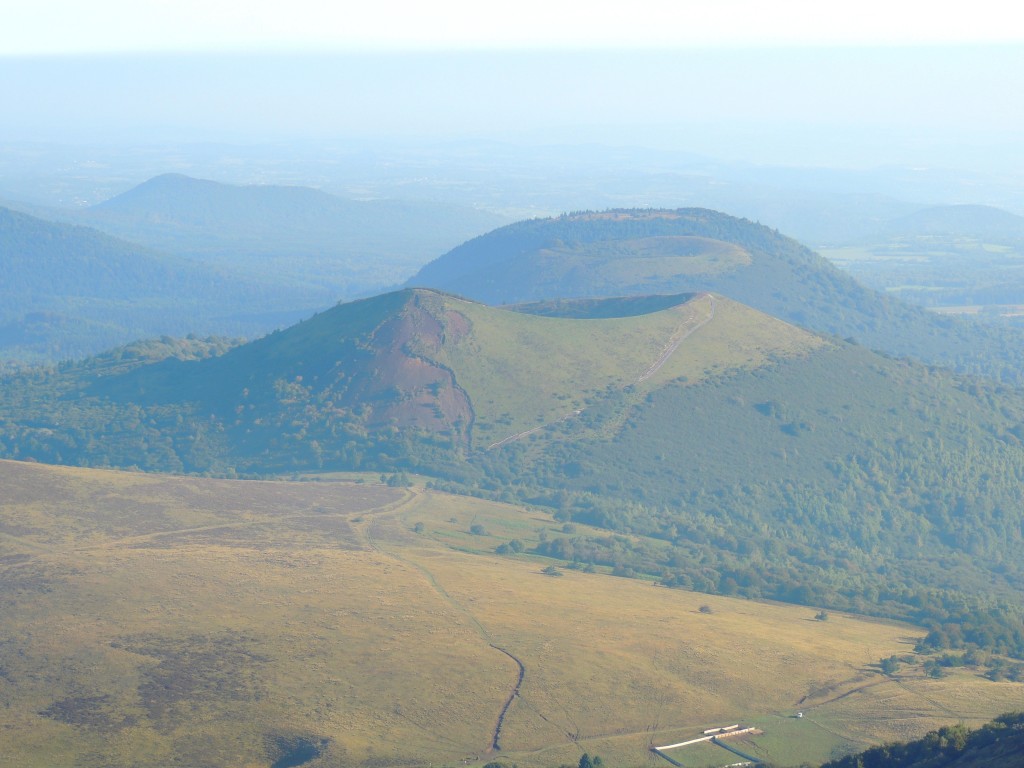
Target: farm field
<point>950,275</point>
<point>155,620</point>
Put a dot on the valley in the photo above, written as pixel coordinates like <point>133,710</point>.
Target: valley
<point>957,260</point>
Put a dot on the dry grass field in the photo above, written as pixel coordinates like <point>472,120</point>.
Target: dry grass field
<point>158,621</point>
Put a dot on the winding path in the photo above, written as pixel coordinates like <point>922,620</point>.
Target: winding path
<point>365,531</point>
<point>495,743</point>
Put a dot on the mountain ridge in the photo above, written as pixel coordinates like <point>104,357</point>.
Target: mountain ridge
<point>984,222</point>
<point>295,233</point>
<point>410,343</point>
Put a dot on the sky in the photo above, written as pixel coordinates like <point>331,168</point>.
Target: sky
<point>61,27</point>
<point>789,81</point>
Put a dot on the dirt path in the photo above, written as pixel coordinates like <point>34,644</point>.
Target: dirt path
<point>408,496</point>
<point>939,706</point>
<point>525,433</point>
<point>364,530</point>
<point>681,334</point>
<point>495,743</point>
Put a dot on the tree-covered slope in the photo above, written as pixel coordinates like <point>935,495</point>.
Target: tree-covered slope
<point>999,744</point>
<point>624,252</point>
<point>45,257</point>
<point>838,478</point>
<point>67,291</point>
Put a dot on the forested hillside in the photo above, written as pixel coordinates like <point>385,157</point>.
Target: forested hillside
<point>1000,744</point>
<point>617,253</point>
<point>67,291</point>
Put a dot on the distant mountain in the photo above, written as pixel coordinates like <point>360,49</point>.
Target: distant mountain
<point>766,460</point>
<point>624,252</point>
<point>180,255</point>
<point>980,222</point>
<point>293,234</point>
<point>68,291</point>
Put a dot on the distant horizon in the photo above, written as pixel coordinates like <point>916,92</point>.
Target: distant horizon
<point>954,106</point>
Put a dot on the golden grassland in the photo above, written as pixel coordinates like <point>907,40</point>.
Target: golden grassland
<point>154,621</point>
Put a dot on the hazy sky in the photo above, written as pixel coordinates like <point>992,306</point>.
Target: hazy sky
<point>790,81</point>
<point>116,26</point>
